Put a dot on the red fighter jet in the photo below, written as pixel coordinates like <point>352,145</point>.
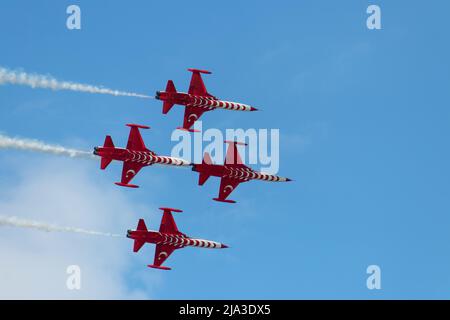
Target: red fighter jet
<point>167,239</point>
<point>134,156</point>
<point>232,172</point>
<point>197,100</point>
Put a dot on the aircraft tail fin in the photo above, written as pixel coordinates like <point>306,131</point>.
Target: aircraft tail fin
<point>170,88</point>
<point>107,144</point>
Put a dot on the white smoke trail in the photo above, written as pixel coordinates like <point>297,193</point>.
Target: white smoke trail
<point>47,82</point>
<point>25,223</point>
<point>39,146</point>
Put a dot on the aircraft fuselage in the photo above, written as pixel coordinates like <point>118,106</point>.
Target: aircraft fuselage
<point>205,102</point>
<point>243,173</point>
<point>176,240</point>
<point>144,158</point>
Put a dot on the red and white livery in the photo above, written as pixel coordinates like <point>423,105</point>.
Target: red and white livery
<point>135,156</point>
<point>167,239</point>
<point>232,172</point>
<point>197,100</point>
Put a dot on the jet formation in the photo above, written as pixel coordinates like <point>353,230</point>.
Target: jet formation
<point>135,156</point>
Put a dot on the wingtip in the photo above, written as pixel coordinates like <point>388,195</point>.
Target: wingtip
<point>188,130</point>
<point>137,126</point>
<point>158,267</point>
<point>170,209</point>
<point>126,185</point>
<point>199,70</point>
<point>236,142</point>
<point>224,200</point>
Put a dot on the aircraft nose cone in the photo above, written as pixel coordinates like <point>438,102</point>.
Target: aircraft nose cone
<point>185,162</point>
<point>287,179</point>
<point>224,246</point>
<point>253,109</point>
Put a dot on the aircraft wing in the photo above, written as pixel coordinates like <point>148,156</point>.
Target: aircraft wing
<point>168,224</point>
<point>162,252</point>
<point>227,185</point>
<point>191,114</point>
<point>233,157</point>
<point>130,169</point>
<point>197,86</point>
<point>135,141</point>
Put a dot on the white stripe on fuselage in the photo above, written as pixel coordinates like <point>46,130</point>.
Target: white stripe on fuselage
<point>183,241</point>
<point>148,158</point>
<point>246,174</point>
<point>211,103</point>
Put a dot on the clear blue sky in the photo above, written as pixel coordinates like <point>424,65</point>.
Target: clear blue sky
<point>363,115</point>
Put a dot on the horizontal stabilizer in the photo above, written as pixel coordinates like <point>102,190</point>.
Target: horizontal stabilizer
<point>108,142</point>
<point>141,225</point>
<point>202,178</point>
<point>137,242</point>
<point>104,162</point>
<point>167,106</point>
<point>170,87</point>
<point>138,245</point>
